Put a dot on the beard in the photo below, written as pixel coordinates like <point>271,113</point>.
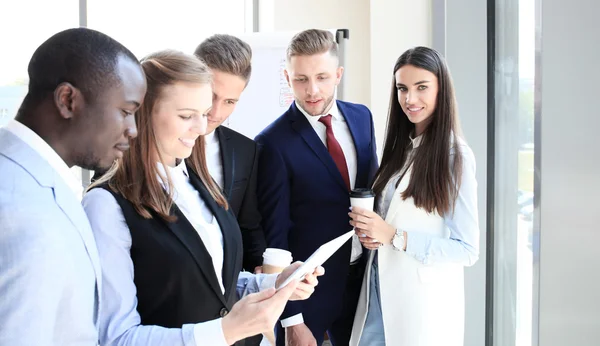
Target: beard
<point>90,161</point>
<point>326,107</point>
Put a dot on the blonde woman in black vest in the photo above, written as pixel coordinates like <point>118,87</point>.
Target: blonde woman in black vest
<point>170,248</point>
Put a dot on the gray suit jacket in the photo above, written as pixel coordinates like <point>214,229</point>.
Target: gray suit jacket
<point>49,266</point>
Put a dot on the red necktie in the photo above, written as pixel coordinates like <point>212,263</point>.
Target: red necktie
<point>335,150</point>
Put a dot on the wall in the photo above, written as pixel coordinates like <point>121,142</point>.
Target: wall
<point>389,40</point>
<point>570,180</point>
<point>293,15</point>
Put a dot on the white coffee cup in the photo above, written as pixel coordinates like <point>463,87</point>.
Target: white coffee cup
<point>363,198</point>
<point>275,260</point>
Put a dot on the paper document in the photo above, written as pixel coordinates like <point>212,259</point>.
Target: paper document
<point>318,258</point>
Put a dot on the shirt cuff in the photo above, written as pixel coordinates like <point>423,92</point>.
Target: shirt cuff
<point>210,333</point>
<point>417,246</point>
<point>268,281</point>
<point>292,321</point>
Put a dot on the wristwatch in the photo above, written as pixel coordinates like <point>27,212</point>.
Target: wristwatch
<point>398,240</point>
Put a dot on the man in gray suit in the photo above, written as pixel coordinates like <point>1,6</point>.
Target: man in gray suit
<point>84,88</point>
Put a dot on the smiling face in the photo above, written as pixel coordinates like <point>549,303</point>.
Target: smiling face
<point>313,79</point>
<point>179,118</point>
<point>417,95</point>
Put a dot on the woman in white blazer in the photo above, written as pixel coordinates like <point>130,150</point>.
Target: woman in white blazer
<point>425,228</point>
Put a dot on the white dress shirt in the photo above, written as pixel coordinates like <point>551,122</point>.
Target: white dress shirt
<point>344,137</point>
<point>119,318</point>
<point>213,158</point>
<point>47,152</point>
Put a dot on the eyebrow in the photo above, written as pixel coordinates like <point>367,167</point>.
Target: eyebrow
<point>417,83</point>
<point>188,109</point>
<point>135,103</point>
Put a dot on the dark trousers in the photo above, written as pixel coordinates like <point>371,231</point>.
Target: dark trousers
<point>340,330</point>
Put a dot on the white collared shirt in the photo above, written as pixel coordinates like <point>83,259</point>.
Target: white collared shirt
<point>48,153</point>
<point>191,204</point>
<point>213,158</point>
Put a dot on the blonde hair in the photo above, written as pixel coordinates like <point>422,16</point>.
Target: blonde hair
<point>311,42</point>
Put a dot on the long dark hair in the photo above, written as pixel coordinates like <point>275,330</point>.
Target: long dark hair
<point>437,162</point>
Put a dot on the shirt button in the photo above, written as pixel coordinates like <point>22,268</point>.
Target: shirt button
<point>223,312</point>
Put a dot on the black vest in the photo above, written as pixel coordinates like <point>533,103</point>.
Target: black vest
<point>173,272</point>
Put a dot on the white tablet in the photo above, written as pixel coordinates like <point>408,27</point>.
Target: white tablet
<point>318,258</point>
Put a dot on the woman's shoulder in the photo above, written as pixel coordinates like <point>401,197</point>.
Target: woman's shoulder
<point>99,194</point>
<point>460,145</point>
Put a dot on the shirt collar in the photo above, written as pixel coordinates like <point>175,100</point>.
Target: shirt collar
<point>334,111</point>
<point>174,172</point>
<point>47,153</point>
<point>415,141</point>
<point>211,138</point>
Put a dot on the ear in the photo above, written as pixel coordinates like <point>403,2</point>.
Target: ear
<point>67,99</point>
<point>287,77</point>
<point>338,74</point>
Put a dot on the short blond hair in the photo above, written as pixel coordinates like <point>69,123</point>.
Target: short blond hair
<point>311,42</point>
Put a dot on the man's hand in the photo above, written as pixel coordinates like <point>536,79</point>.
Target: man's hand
<point>299,335</point>
<point>258,270</point>
<point>256,313</point>
<point>307,286</point>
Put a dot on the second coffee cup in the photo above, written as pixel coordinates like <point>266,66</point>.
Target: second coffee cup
<point>275,260</point>
<point>364,198</point>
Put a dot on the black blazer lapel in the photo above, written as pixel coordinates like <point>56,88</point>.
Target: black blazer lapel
<point>227,160</point>
<point>305,129</point>
<point>232,249</point>
<point>186,233</point>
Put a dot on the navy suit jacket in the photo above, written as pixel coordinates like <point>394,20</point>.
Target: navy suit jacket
<point>304,200</point>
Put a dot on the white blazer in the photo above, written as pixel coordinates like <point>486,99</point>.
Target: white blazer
<point>423,304</point>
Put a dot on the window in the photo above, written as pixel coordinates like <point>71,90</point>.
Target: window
<point>514,243</point>
<point>19,40</point>
<point>145,27</point>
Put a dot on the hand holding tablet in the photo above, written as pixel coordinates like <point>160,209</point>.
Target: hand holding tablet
<point>317,258</point>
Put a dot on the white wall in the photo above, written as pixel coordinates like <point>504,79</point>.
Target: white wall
<point>396,25</point>
<point>290,15</point>
<point>570,174</point>
<point>466,53</point>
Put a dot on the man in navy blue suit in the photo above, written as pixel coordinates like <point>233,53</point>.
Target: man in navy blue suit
<point>310,158</point>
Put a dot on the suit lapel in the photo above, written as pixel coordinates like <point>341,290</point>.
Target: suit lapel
<point>301,125</point>
<point>227,159</point>
<point>188,236</point>
<point>72,208</point>
<point>15,148</point>
<point>353,126</point>
<point>230,245</point>
<point>397,198</point>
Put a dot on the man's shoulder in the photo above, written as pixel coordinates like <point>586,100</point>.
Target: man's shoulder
<point>236,136</point>
<point>280,127</point>
<point>353,107</point>
<point>15,177</point>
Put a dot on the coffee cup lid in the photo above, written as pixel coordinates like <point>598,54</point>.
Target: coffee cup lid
<point>362,193</point>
